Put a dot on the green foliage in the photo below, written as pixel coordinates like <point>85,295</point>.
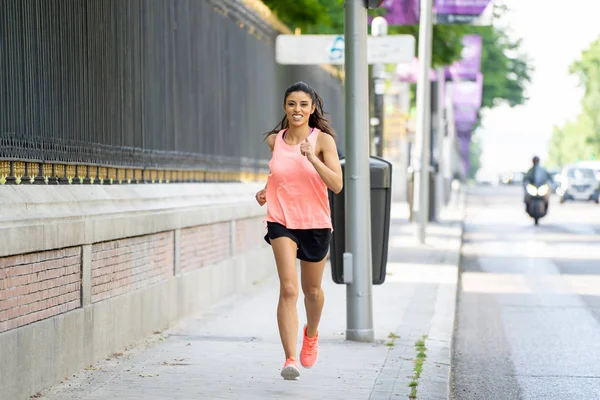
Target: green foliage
<point>311,16</point>
<point>580,139</point>
<point>571,142</point>
<point>588,71</point>
<point>505,69</point>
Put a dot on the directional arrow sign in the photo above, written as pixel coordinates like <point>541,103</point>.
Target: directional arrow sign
<point>329,49</point>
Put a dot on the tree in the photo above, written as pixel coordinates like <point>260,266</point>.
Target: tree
<point>310,16</point>
<point>588,71</point>
<point>580,139</point>
<point>505,69</point>
<point>569,143</point>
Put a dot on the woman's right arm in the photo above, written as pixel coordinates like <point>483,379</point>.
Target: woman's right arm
<point>261,196</point>
<point>271,142</point>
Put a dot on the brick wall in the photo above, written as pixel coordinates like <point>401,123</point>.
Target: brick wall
<point>120,266</point>
<point>38,285</point>
<point>205,245</point>
<point>42,285</point>
<point>250,234</point>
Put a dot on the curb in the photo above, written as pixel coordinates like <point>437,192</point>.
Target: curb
<point>435,382</point>
<point>463,210</point>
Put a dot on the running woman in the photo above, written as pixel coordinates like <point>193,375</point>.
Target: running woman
<point>303,166</point>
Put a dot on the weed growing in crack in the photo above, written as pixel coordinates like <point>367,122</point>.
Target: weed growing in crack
<point>421,356</point>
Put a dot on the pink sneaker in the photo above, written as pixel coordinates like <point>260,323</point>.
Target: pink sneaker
<point>310,350</point>
<point>290,370</point>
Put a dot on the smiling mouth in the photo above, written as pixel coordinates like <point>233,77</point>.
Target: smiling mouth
<point>296,117</point>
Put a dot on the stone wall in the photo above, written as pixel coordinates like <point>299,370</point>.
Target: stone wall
<point>86,271</point>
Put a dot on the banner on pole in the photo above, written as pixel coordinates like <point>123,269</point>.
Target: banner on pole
<point>464,113</point>
<point>472,12</point>
<point>468,93</point>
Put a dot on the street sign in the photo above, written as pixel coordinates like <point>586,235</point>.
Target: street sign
<point>329,49</point>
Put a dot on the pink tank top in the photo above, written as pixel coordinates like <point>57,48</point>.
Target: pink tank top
<point>297,197</point>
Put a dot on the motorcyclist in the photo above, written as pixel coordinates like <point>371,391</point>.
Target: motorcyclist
<point>537,176</point>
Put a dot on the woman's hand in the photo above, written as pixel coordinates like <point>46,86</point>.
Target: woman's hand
<point>307,150</point>
<point>261,197</point>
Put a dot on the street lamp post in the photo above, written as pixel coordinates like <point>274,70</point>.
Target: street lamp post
<point>421,160</point>
<point>357,259</point>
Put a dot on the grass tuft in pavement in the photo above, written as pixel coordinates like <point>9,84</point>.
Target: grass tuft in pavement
<point>421,355</point>
<point>393,338</point>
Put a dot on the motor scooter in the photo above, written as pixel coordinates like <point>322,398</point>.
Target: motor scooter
<point>536,200</point>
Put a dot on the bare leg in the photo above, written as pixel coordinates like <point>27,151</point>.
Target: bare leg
<point>287,314</point>
<point>314,298</point>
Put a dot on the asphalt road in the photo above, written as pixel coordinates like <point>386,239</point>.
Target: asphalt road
<point>528,322</point>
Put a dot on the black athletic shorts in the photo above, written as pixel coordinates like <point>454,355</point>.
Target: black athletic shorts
<point>313,244</point>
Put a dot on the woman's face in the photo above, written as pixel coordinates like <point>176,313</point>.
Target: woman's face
<point>298,108</point>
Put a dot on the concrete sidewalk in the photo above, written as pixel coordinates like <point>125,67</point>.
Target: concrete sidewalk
<point>233,350</point>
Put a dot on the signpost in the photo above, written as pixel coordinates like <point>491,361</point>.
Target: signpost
<point>330,49</point>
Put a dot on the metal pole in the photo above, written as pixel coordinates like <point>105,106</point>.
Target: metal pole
<point>421,165</point>
<point>441,134</point>
<point>448,148</point>
<point>359,298</point>
<point>379,27</point>
<point>433,98</point>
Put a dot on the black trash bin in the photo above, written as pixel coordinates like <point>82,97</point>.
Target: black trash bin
<point>381,197</point>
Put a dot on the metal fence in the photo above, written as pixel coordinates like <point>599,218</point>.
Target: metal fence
<point>141,90</point>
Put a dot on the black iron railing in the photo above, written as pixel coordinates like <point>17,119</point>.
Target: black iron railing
<point>103,90</point>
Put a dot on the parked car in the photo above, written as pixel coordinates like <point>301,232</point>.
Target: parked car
<point>578,183</point>
<point>593,165</point>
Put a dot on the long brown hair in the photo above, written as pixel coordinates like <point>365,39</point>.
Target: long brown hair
<point>317,118</point>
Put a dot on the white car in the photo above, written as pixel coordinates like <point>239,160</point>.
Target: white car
<point>577,183</point>
<point>593,165</point>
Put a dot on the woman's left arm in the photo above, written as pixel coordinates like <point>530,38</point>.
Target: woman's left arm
<point>329,169</point>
